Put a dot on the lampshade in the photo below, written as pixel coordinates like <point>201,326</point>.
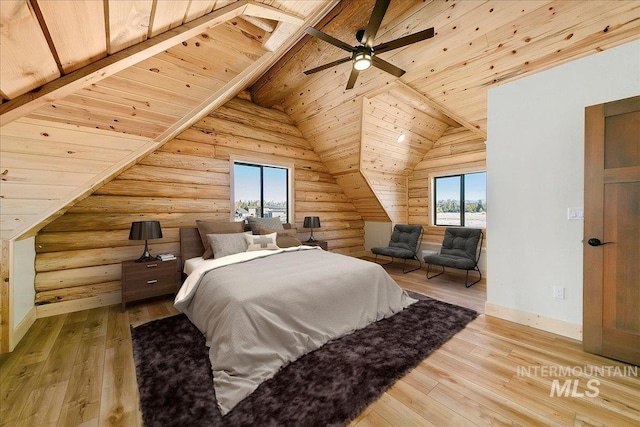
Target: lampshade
<point>311,222</point>
<point>143,230</point>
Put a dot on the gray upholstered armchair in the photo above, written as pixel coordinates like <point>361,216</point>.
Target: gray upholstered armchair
<point>405,243</point>
<point>460,249</point>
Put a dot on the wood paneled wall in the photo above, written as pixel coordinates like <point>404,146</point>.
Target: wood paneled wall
<point>337,136</point>
<point>357,188</point>
<point>46,164</point>
<point>385,159</point>
<point>458,150</point>
<point>4,296</point>
<point>391,192</point>
<point>78,255</point>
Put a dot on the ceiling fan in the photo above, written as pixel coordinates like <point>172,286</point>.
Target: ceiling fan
<point>365,54</point>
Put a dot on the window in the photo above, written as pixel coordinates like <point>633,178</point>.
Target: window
<point>468,190</point>
<point>260,191</point>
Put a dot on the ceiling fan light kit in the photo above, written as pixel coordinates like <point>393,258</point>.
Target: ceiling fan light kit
<point>362,56</point>
<point>362,59</point>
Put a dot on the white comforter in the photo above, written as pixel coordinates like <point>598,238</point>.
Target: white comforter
<point>262,310</point>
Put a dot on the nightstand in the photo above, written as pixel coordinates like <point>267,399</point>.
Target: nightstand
<point>142,280</point>
<point>322,243</point>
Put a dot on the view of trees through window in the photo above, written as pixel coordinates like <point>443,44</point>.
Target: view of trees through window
<point>260,191</point>
<point>453,192</point>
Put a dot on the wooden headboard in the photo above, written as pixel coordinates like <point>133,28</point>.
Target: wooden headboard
<point>190,244</point>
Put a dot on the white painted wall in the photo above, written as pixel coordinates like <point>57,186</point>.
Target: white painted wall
<point>376,234</point>
<point>23,291</point>
<point>535,171</point>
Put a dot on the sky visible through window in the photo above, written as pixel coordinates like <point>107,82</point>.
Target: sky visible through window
<point>467,210</point>
<point>475,186</point>
<point>247,183</point>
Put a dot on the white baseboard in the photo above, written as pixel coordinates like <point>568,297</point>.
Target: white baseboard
<point>549,324</point>
<point>21,330</point>
<point>54,309</point>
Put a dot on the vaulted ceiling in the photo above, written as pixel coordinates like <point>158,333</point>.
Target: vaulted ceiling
<point>90,87</point>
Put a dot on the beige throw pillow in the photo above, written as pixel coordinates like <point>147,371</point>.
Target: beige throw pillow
<point>260,243</point>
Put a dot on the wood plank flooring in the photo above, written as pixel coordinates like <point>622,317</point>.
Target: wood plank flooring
<point>77,370</point>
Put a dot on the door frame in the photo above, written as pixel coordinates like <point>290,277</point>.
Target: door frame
<point>593,261</point>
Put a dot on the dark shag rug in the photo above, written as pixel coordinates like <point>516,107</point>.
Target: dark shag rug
<point>327,387</point>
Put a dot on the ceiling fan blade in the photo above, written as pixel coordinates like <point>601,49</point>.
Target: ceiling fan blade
<point>404,41</point>
<point>386,66</point>
<point>329,65</point>
<point>329,39</point>
<point>374,22</point>
<point>352,78</point>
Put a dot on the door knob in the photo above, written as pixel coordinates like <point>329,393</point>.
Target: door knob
<point>596,242</point>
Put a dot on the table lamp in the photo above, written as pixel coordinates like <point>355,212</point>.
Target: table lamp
<point>311,222</point>
<point>145,230</point>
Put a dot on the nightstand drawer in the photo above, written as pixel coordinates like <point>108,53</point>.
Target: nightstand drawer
<point>142,280</point>
<point>150,283</point>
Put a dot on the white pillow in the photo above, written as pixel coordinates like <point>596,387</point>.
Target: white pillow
<point>227,244</point>
<point>261,242</point>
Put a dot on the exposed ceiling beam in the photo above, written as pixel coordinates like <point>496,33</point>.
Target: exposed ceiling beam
<point>110,65</point>
<point>260,10</point>
<point>263,24</point>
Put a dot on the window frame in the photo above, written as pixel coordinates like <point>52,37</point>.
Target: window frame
<point>450,174</point>
<point>255,162</point>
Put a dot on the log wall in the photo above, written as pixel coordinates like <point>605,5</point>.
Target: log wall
<point>457,151</point>
<point>78,256</point>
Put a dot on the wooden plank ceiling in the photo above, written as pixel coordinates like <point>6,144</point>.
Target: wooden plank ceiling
<point>114,80</point>
<point>477,45</point>
<point>90,86</point>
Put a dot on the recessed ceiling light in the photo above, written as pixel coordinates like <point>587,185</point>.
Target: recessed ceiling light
<point>401,138</point>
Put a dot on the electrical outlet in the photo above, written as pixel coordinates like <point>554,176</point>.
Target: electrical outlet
<point>558,292</point>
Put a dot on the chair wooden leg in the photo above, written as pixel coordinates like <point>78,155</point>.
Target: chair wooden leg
<point>404,265</point>
<point>466,280</point>
<point>436,275</point>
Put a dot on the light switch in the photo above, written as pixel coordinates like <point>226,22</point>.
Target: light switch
<point>575,213</point>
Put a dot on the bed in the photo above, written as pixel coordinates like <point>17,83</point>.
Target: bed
<point>264,309</point>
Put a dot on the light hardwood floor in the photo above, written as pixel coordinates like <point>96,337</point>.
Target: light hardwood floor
<point>77,369</point>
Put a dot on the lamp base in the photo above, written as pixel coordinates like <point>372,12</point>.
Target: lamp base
<point>311,238</point>
<point>146,255</point>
